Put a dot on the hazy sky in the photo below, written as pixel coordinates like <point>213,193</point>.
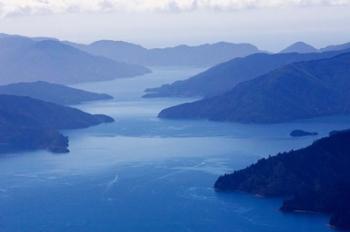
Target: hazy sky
<point>270,24</point>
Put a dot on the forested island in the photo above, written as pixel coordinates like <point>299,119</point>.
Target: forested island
<point>315,178</point>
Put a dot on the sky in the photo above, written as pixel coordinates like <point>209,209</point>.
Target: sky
<point>269,24</point>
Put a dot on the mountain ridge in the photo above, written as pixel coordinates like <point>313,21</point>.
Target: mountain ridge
<point>223,77</point>
<point>296,91</point>
<point>24,59</point>
<point>180,55</point>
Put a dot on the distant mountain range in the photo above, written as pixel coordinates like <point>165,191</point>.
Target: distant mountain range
<point>55,93</point>
<point>204,55</point>
<point>300,47</point>
<point>30,124</point>
<point>182,55</point>
<point>24,60</point>
<point>295,91</point>
<point>314,179</point>
<point>223,77</point>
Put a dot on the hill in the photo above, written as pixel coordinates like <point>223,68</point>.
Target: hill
<point>316,178</point>
<point>296,91</point>
<point>50,92</point>
<point>225,76</point>
<point>28,124</point>
<point>25,60</point>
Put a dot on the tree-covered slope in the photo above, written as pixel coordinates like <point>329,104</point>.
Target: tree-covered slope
<point>316,178</point>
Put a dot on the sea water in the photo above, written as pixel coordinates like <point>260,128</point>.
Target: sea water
<point>142,173</point>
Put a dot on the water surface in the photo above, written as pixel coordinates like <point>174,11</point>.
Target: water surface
<point>141,173</point>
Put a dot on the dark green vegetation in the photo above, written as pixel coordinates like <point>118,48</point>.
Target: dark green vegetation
<point>223,77</point>
<point>316,178</point>
<point>24,60</point>
<point>301,133</point>
<point>296,91</point>
<point>28,124</point>
<point>182,55</point>
<point>55,93</point>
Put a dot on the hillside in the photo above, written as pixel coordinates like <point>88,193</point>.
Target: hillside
<point>50,92</point>
<point>316,178</point>
<point>296,91</point>
<point>26,60</point>
<point>225,76</point>
<point>28,124</point>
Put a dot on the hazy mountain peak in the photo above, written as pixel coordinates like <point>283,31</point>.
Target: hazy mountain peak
<point>115,43</point>
<point>300,47</point>
<point>224,43</point>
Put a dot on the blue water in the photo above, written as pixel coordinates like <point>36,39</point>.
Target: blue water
<point>146,174</point>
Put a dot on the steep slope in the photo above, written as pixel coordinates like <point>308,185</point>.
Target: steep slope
<point>299,47</point>
<point>225,76</point>
<point>24,59</point>
<point>183,55</point>
<point>296,91</point>
<point>316,178</point>
<point>27,124</point>
<point>55,93</point>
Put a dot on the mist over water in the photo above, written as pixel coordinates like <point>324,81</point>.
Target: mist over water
<point>141,173</point>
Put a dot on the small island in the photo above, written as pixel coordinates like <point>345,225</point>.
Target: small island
<point>315,178</point>
<point>302,133</point>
